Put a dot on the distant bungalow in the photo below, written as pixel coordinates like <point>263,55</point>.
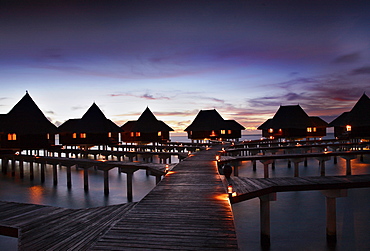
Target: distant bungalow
<point>354,124</point>
<point>26,127</point>
<point>147,129</point>
<point>209,125</point>
<point>91,130</point>
<point>292,122</point>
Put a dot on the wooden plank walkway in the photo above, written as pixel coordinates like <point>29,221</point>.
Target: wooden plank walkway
<point>187,210</point>
<point>248,188</point>
<point>51,228</point>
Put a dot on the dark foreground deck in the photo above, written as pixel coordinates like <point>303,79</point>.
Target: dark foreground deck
<point>187,210</point>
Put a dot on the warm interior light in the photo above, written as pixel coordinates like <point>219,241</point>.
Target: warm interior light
<point>12,136</point>
<point>271,130</point>
<point>348,128</point>
<point>213,134</point>
<point>229,189</point>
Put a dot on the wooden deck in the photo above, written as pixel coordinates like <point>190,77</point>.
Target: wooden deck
<point>51,228</point>
<point>248,188</point>
<point>187,210</point>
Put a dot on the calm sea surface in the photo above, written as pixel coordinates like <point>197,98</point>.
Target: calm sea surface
<point>297,218</point>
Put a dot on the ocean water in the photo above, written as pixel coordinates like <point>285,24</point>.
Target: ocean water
<point>297,218</point>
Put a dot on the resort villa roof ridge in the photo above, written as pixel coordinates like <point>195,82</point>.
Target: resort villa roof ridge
<point>25,127</point>
<point>354,123</point>
<point>146,129</point>
<point>208,124</point>
<point>92,129</point>
<point>27,118</point>
<point>291,121</point>
<point>92,121</point>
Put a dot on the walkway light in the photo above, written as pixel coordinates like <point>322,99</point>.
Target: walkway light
<point>230,189</point>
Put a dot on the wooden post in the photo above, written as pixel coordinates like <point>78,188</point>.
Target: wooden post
<point>236,168</point>
<point>13,167</point>
<point>55,174</point>
<point>158,179</point>
<point>331,212</point>
<point>69,180</point>
<point>21,169</point>
<point>4,165</point>
<point>42,170</point>
<point>296,165</point>
<point>348,159</point>
<point>106,182</point>
<point>322,164</point>
<point>266,163</point>
<point>31,170</point>
<point>86,179</point>
<point>265,218</point>
<point>129,186</point>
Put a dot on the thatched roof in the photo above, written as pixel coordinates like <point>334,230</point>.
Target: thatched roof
<point>292,116</point>
<point>93,121</point>
<point>358,116</point>
<point>26,118</point>
<point>208,120</point>
<point>147,123</point>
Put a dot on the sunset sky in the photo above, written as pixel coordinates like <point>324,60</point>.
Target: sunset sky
<point>243,58</point>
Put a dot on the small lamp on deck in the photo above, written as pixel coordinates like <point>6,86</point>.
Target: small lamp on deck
<point>230,189</point>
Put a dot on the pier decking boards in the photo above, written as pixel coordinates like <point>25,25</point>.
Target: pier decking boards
<point>51,228</point>
<point>248,188</point>
<point>187,210</point>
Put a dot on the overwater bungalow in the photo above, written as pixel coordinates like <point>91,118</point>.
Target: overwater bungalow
<point>292,122</point>
<point>209,125</point>
<point>90,130</point>
<point>354,124</point>
<point>25,127</point>
<point>147,129</point>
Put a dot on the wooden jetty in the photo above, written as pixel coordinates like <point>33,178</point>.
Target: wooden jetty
<point>157,170</point>
<point>332,187</point>
<point>188,210</point>
<point>293,157</point>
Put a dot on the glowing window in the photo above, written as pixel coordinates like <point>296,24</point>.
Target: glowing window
<point>314,129</point>
<point>271,130</point>
<point>212,134</point>
<point>159,134</point>
<point>12,136</point>
<point>280,130</point>
<point>48,136</point>
<point>137,134</point>
<point>109,134</point>
<point>82,135</point>
<point>223,131</point>
<point>309,129</point>
<point>132,134</point>
<point>74,135</point>
<point>348,128</point>
<point>229,132</point>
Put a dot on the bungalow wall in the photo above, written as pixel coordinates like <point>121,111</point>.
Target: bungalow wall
<point>66,138</point>
<point>145,137</point>
<point>215,134</point>
<point>26,141</point>
<point>295,133</point>
<point>356,132</point>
